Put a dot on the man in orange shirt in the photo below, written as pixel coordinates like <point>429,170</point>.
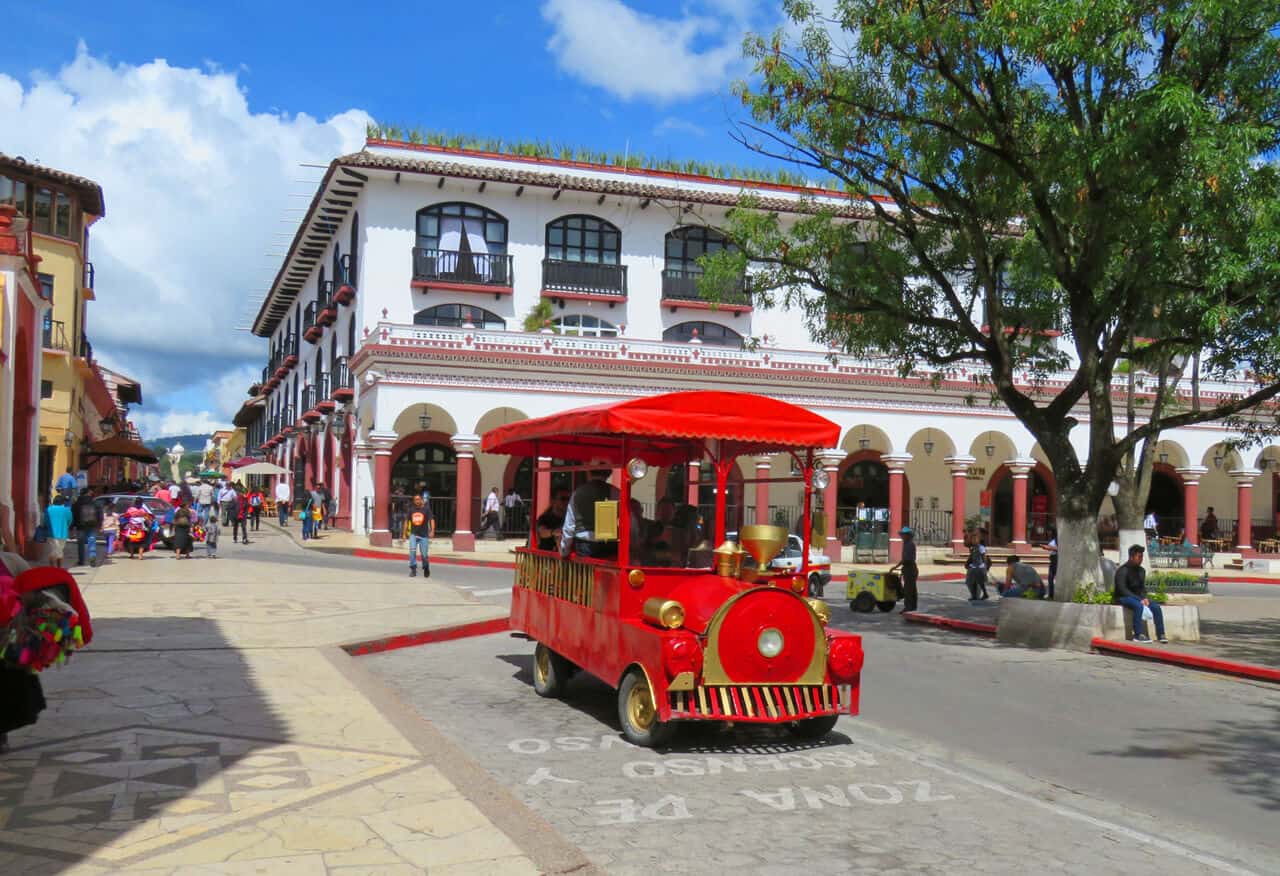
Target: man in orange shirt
<point>422,528</point>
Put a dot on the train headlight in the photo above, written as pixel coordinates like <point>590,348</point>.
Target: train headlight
<point>844,658</point>
<point>637,468</point>
<point>770,642</point>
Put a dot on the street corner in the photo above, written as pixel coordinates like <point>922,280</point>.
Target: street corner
<point>751,798</point>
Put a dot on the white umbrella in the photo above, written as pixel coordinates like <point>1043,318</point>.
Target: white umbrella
<point>259,468</point>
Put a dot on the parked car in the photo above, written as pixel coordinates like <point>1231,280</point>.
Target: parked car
<point>788,559</point>
<point>163,511</point>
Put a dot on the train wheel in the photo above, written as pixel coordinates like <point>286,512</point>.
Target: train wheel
<point>864,601</point>
<point>886,606</point>
<point>638,713</point>
<point>550,672</point>
<point>813,728</point>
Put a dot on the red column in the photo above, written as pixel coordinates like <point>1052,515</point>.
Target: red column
<point>829,462</point>
<point>897,465</point>
<point>381,533</point>
<point>764,466</point>
<point>464,539</point>
<point>1021,471</point>
<point>542,491</point>
<point>959,466</point>
<point>1191,501</point>
<point>343,461</point>
<point>1244,508</point>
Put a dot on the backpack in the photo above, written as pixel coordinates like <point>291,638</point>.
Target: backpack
<point>255,500</point>
<point>88,514</point>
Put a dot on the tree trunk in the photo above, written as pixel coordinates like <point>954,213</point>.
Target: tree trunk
<point>1077,544</point>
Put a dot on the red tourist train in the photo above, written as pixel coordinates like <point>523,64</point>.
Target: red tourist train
<point>682,630</point>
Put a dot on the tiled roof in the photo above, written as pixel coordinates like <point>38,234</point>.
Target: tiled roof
<point>91,200</point>
<point>568,181</point>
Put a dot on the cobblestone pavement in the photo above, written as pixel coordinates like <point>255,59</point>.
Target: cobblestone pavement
<point>755,801</point>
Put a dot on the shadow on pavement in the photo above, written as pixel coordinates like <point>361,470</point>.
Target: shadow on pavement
<point>590,696</point>
<point>1246,753</point>
<point>135,735</point>
<point>1247,641</point>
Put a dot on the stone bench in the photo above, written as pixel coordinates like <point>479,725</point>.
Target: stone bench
<point>1037,623</point>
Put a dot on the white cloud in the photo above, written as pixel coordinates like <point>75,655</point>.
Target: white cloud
<point>634,55</point>
<point>676,125</point>
<point>195,183</point>
<point>159,424</point>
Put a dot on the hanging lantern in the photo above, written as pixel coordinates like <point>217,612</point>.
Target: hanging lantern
<point>424,420</point>
<point>928,443</point>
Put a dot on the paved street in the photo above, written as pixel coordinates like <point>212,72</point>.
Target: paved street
<point>215,727</point>
<point>968,757</point>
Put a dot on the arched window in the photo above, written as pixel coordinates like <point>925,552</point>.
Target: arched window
<point>353,247</point>
<point>461,243</point>
<point>351,335</point>
<point>584,239</point>
<point>685,245</point>
<point>337,263</point>
<point>710,333</point>
<point>458,315</point>
<point>585,326</point>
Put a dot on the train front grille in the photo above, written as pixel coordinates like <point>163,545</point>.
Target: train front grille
<point>773,702</point>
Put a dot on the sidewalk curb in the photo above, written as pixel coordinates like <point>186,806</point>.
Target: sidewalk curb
<point>951,623</point>
<point>375,554</point>
<point>1193,661</point>
<point>425,637</point>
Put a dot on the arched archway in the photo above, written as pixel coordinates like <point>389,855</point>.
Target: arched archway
<point>1042,504</point>
<point>1165,500</point>
<point>428,459</point>
<point>863,477</point>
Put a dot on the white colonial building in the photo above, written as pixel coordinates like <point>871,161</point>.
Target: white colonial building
<point>397,337</point>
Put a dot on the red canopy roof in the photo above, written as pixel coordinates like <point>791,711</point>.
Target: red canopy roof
<point>665,428</point>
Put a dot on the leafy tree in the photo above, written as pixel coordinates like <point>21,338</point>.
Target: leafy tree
<point>1034,183</point>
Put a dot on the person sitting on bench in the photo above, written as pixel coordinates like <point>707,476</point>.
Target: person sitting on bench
<point>1131,592</point>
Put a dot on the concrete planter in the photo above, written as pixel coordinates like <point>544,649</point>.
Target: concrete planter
<point>1035,623</point>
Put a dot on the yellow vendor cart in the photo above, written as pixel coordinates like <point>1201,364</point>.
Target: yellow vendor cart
<point>870,590</point>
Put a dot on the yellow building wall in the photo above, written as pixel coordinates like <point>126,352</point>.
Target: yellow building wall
<point>68,409</point>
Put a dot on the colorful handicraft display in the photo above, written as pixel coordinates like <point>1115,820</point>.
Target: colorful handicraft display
<point>43,619</point>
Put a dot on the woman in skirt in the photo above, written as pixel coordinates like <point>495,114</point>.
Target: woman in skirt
<point>137,528</point>
<point>182,531</point>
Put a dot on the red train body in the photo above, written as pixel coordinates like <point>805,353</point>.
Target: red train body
<point>683,633</point>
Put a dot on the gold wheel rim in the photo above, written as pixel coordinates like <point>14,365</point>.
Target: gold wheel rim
<point>542,664</point>
<point>640,710</point>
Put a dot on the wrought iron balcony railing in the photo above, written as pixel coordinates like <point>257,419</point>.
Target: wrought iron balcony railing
<point>445,265</point>
<point>342,377</point>
<point>584,278</point>
<point>682,285</point>
<point>54,335</point>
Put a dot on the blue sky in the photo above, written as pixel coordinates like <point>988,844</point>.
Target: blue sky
<point>195,120</point>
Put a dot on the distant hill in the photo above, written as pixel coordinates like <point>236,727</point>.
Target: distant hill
<point>188,442</point>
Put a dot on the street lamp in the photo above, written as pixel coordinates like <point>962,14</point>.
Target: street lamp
<point>339,425</point>
<point>990,448</point>
<point>928,443</point>
<point>424,420</point>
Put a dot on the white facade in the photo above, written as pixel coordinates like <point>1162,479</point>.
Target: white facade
<point>469,378</point>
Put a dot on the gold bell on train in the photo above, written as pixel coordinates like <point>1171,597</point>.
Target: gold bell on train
<point>728,559</point>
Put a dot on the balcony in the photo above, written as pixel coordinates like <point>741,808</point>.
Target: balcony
<point>345,281</point>
<point>88,277</point>
<point>343,386</point>
<point>328,314</point>
<point>311,327</point>
<point>54,336</point>
<point>288,352</point>
<point>584,281</point>
<point>86,349</point>
<point>324,398</point>
<point>680,289</point>
<point>463,271</point>
<point>310,396</point>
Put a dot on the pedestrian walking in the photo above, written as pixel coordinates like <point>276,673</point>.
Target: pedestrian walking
<point>256,501</point>
<point>282,500</point>
<point>66,484</point>
<point>88,520</point>
<point>227,501</point>
<point>205,495</point>
<point>489,516</point>
<point>326,502</point>
<point>110,530</point>
<point>316,506</point>
<point>910,570</point>
<point>1052,548</point>
<point>422,528</point>
<point>211,531</point>
<point>242,515</point>
<point>975,567</point>
<point>512,503</point>
<point>138,522</point>
<point>58,516</point>
<point>182,518</point>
